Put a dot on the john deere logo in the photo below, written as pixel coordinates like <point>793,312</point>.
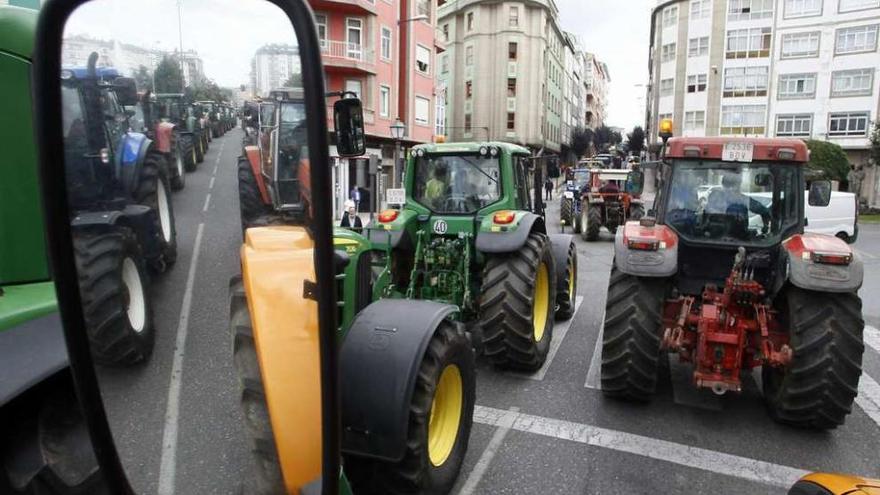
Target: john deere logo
<point>440,227</point>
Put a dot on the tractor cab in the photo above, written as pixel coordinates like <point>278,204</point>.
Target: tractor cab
<point>577,180</point>
<point>284,156</point>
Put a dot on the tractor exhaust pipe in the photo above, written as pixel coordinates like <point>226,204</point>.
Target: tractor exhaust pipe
<point>92,63</point>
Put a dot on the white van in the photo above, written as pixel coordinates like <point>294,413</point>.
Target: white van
<point>839,218</point>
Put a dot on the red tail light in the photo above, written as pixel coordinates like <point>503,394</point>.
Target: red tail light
<point>503,217</point>
<point>388,216</point>
<point>643,244</point>
<point>831,259</point>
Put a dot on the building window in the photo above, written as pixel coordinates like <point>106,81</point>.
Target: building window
<point>511,121</point>
<point>851,5</point>
<point>469,55</point>
<point>848,124</point>
<point>511,88</point>
<point>444,67</point>
<point>696,83</point>
<point>468,123</point>
<point>423,7</point>
<point>800,45</point>
<point>423,59</point>
<point>794,125</point>
<point>694,120</point>
<point>514,17</point>
<point>796,86</point>
<point>802,8</point>
<point>858,82</point>
<point>745,81</point>
<point>856,39</point>
<point>446,32</point>
<point>741,10</point>
<point>468,89</point>
<point>670,16</point>
<point>470,21</point>
<point>384,101</point>
<point>423,112</point>
<point>748,43</point>
<point>667,52</point>
<point>743,119</point>
<point>321,22</point>
<point>354,86</point>
<point>511,51</point>
<point>701,9</point>
<point>386,43</point>
<point>698,47</point>
<point>667,86</point>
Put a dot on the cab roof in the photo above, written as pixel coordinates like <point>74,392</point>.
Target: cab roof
<point>765,149</point>
<point>100,72</point>
<point>17,28</point>
<point>471,147</point>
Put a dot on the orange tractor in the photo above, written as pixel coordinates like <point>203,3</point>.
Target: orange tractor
<point>609,198</point>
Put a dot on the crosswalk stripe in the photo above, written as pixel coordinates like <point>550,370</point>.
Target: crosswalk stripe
<point>872,338</point>
<point>663,450</point>
<point>865,255</point>
<point>593,381</point>
<point>869,397</point>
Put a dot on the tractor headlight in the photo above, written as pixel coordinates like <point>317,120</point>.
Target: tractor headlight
<point>484,151</point>
<point>493,152</point>
<point>420,153</point>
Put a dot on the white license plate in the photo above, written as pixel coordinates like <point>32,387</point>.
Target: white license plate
<point>737,152</point>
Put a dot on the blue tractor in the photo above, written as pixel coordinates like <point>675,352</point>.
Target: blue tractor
<point>570,208</point>
<point>122,218</point>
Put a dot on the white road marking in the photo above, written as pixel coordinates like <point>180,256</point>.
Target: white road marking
<point>869,397</point>
<point>559,332</point>
<point>215,170</point>
<point>662,450</point>
<point>872,338</point>
<point>207,202</point>
<point>865,255</point>
<point>476,474</point>
<point>168,463</point>
<point>593,373</point>
<point>211,184</point>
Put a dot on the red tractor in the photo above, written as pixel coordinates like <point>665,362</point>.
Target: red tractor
<point>732,282</point>
<point>607,201</point>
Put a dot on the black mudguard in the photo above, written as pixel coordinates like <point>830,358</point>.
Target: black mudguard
<point>139,218</point>
<point>559,245</point>
<point>379,359</point>
<point>506,242</point>
<point>30,353</point>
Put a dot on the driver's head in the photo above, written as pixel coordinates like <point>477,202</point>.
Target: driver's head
<point>731,181</point>
<point>440,171</point>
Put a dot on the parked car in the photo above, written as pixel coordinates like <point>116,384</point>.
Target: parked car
<point>839,218</point>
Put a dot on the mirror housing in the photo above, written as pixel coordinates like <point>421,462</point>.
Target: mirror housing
<point>348,117</point>
<point>820,193</point>
<point>635,182</point>
<point>126,91</point>
<point>763,180</point>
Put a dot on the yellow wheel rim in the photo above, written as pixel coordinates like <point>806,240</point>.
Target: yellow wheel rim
<point>571,276</point>
<point>542,300</point>
<point>445,415</point>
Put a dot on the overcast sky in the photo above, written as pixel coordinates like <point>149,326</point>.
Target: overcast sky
<point>225,33</point>
<point>617,31</point>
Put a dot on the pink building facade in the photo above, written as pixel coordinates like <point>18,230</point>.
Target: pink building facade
<point>385,52</point>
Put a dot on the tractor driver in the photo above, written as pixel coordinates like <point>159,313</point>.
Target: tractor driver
<point>730,201</point>
<point>435,189</point>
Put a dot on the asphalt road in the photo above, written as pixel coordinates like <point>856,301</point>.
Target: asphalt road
<point>179,429</point>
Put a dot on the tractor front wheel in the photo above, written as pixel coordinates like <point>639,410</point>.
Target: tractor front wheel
<point>190,152</point>
<point>115,296</point>
<point>250,201</point>
<point>517,306</point>
<point>816,390</point>
<point>178,172</point>
<point>440,419</point>
<point>591,222</point>
<point>566,293</point>
<point>631,336</point>
<point>153,190</point>
<point>566,212</point>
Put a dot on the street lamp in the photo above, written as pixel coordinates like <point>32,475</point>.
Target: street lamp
<point>398,130</point>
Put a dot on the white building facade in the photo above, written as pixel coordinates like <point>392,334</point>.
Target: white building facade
<point>272,66</point>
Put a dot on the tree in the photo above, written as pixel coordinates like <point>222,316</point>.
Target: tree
<point>294,81</point>
<point>207,90</point>
<point>143,78</point>
<point>616,138</point>
<point>580,141</point>
<point>168,76</point>
<point>829,159</point>
<point>635,140</point>
<point>875,144</point>
<point>602,138</point>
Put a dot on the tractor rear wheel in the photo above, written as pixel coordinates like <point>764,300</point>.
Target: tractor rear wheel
<point>201,149</point>
<point>115,296</point>
<point>818,387</point>
<point>177,178</point>
<point>631,336</point>
<point>250,201</point>
<point>566,293</point>
<point>517,306</point>
<point>578,223</point>
<point>440,419</point>
<point>265,476</point>
<point>190,154</point>
<point>153,190</point>
<point>566,212</point>
<point>636,212</point>
<point>591,222</point>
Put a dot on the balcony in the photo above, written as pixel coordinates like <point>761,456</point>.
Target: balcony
<point>344,57</point>
<point>360,7</point>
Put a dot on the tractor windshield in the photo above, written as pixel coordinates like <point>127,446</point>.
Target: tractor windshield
<point>732,202</point>
<point>581,179</point>
<point>457,184</point>
<point>292,152</point>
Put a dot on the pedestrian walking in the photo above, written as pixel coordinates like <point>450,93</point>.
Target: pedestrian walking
<point>548,188</point>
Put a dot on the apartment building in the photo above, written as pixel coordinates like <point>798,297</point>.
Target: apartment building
<point>788,68</point>
<point>272,67</point>
<point>596,79</point>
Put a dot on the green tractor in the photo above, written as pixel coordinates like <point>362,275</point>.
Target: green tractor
<point>471,232</point>
<point>45,439</point>
<point>173,108</point>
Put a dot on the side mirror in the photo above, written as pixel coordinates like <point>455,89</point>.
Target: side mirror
<point>348,115</point>
<point>763,180</point>
<point>126,91</point>
<point>820,193</point>
<point>635,182</point>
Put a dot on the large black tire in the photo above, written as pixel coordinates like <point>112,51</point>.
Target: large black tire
<point>516,334</point>
<point>448,350</point>
<point>566,293</point>
<point>566,212</point>
<point>265,470</point>
<point>177,165</point>
<point>636,212</point>
<point>591,222</point>
<point>46,447</point>
<point>153,190</point>
<point>202,148</point>
<point>114,287</point>
<point>577,223</point>
<point>190,155</point>
<point>250,201</point>
<point>631,338</point>
<point>818,387</point>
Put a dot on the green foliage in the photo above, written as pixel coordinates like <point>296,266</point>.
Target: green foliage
<point>635,140</point>
<point>875,144</point>
<point>207,90</point>
<point>168,76</point>
<point>829,159</point>
<point>143,79</point>
<point>294,81</point>
<point>580,141</point>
